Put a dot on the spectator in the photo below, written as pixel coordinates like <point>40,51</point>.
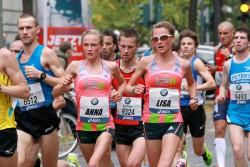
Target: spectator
<point>64,53</point>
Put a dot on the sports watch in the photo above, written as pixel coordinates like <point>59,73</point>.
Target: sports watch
<point>133,90</point>
<point>194,98</point>
<point>42,76</point>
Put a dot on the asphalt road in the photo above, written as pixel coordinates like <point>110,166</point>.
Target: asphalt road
<point>193,160</point>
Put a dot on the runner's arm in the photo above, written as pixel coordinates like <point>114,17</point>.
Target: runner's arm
<point>54,65</point>
<point>139,71</point>
<point>191,85</point>
<point>209,80</point>
<point>19,89</point>
<point>64,85</point>
<point>224,85</point>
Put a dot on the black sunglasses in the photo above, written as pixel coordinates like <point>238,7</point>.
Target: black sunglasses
<point>162,38</point>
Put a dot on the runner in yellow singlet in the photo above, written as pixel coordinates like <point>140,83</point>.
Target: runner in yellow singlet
<point>12,84</point>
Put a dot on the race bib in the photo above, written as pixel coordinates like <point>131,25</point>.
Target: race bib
<point>94,109</point>
<point>218,78</point>
<point>164,101</point>
<point>240,93</point>
<point>36,99</point>
<point>130,108</point>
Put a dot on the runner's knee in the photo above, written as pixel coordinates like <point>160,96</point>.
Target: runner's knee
<point>238,152</point>
<point>220,130</point>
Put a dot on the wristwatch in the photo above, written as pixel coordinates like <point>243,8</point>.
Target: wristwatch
<point>0,88</point>
<point>133,90</point>
<point>194,98</point>
<point>42,76</point>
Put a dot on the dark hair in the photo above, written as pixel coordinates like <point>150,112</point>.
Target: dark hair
<point>245,30</point>
<point>27,15</point>
<point>17,38</point>
<point>130,32</point>
<point>107,32</point>
<point>190,34</point>
<point>64,46</point>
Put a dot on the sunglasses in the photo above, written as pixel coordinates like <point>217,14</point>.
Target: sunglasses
<point>162,38</point>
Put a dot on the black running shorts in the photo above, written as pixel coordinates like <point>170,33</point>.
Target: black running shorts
<point>37,122</point>
<point>127,134</point>
<point>8,142</point>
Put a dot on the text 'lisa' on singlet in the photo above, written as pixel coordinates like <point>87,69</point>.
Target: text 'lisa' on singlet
<point>162,97</point>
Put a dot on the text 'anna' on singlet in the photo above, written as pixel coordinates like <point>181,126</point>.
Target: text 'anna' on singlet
<point>129,109</point>
<point>7,117</point>
<point>162,97</point>
<point>239,87</point>
<point>92,97</point>
<point>220,60</point>
<point>185,98</point>
<point>40,92</point>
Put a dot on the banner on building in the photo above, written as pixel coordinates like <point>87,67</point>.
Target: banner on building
<point>56,35</point>
<point>63,20</point>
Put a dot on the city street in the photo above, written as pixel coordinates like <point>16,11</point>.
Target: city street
<point>193,160</point>
<point>154,42</point>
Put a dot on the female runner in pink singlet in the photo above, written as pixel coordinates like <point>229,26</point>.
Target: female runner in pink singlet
<point>164,72</point>
<point>93,78</point>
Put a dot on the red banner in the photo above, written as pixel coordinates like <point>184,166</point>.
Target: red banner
<point>56,35</point>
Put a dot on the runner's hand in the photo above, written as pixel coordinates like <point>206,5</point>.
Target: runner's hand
<point>32,72</point>
<point>115,96</point>
<point>193,104</point>
<point>67,80</point>
<point>210,68</point>
<point>219,99</point>
<point>139,89</point>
